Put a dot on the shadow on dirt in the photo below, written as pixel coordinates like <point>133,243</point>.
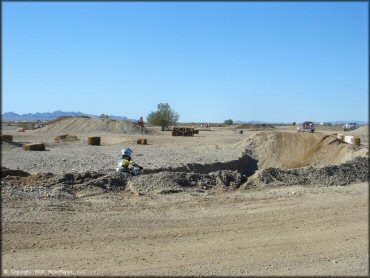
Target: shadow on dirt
<point>246,165</point>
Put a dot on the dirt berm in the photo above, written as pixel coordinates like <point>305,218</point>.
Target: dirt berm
<point>269,159</point>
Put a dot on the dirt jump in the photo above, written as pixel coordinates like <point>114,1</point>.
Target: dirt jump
<point>85,125</point>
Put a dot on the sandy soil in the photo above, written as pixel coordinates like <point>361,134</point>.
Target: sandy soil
<point>310,229</point>
<point>283,231</point>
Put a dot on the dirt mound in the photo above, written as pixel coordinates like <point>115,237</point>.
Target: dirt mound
<point>255,126</point>
<point>172,182</point>
<point>292,150</point>
<point>74,184</point>
<point>69,185</point>
<point>65,117</point>
<point>86,125</point>
<point>352,171</point>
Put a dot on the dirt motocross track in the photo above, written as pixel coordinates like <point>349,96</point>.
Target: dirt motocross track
<point>268,202</point>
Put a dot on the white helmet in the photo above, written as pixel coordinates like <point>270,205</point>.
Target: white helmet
<point>127,151</point>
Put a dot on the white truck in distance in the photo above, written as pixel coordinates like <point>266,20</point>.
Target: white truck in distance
<point>349,126</point>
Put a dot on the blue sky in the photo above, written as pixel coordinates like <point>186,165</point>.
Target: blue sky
<point>211,61</point>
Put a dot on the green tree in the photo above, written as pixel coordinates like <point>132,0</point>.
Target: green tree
<point>163,117</point>
<point>228,122</point>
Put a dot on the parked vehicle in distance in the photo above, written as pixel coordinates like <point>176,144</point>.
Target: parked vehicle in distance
<point>349,126</point>
<point>306,127</point>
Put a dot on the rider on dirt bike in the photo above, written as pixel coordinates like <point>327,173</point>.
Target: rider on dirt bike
<point>140,122</point>
<point>126,165</point>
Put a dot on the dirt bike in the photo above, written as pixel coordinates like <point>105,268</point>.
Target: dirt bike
<point>138,125</point>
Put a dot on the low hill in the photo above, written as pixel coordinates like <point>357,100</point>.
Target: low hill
<point>83,124</point>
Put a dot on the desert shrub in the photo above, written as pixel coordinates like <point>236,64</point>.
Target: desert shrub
<point>228,122</point>
<point>163,117</point>
<point>26,125</point>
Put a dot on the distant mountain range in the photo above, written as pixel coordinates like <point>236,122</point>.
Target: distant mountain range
<point>11,116</point>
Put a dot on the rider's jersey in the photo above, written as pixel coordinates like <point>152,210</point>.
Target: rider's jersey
<point>126,165</point>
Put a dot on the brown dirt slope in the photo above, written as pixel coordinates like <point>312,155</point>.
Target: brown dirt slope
<point>65,117</point>
<point>88,125</point>
<point>292,150</point>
